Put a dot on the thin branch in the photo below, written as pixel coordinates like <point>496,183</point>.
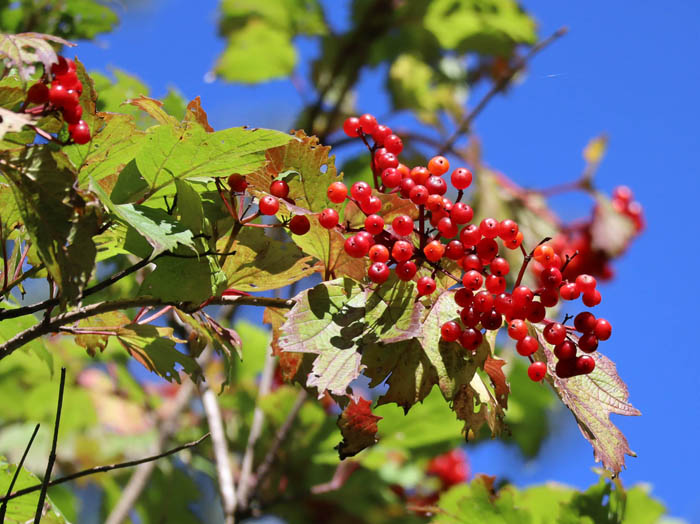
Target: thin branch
<point>3,508</point>
<point>280,436</point>
<point>497,87</point>
<point>52,456</point>
<point>105,468</point>
<point>69,317</point>
<point>526,260</point>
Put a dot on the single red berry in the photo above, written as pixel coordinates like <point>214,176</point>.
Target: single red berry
<point>380,134</point>
<point>79,132</point>
<point>588,343</point>
<point>299,225</point>
<point>602,329</point>
<point>356,246</point>
<point>487,249</point>
<point>386,161</point>
<point>337,192</point>
<point>360,191</point>
<point>472,261</point>
<point>544,254</point>
<point>454,250</point>
<point>402,250</point>
<point>585,364</point>
<point>447,228</point>
<point>550,277</point>
<point>391,177</point>
<point>515,242</point>
<point>495,284</point>
<point>499,266</point>
<point>61,97</point>
<point>374,224</point>
<point>463,297</point>
<point>371,205</point>
<point>591,298</point>
<point>565,351</point>
<point>517,329</point>
<point>379,253</point>
<point>406,270</point>
<point>508,229</point>
<point>470,235</point>
<point>522,297</point>
<point>566,368</point>
<point>537,371</point>
<point>369,238</point>
<point>504,304</point>
<point>450,331</point>
<point>472,280</point>
<point>351,127</point>
<point>419,195</point>
<point>425,286</point>
<point>268,205</point>
<point>368,123</point>
<point>536,312</point>
<point>554,333</point>
<point>438,165</point>
<point>38,94</point>
<point>470,316</point>
<point>470,339</point>
<point>72,114</point>
<point>402,225</point>
<point>328,218</point>
<point>436,186</point>
<point>461,178</point>
<point>585,322</point>
<point>492,320</point>
<point>393,144</point>
<point>378,272</point>
<point>549,297</point>
<point>527,345</point>
<point>434,250</point>
<point>407,184</point>
<point>237,183</point>
<point>483,301</point>
<point>585,283</point>
<point>434,203</point>
<point>279,188</point>
<point>420,175</point>
<point>64,65</point>
<point>489,228</point>
<point>569,291</point>
<point>68,80</point>
<point>461,213</point>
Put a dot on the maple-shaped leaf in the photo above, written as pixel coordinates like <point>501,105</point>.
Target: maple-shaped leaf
<point>358,426</point>
<point>24,50</point>
<point>592,398</point>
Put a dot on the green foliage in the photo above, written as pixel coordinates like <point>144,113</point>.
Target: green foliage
<point>23,509</point>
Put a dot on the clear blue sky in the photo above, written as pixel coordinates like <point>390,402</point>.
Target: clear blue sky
<point>627,68</point>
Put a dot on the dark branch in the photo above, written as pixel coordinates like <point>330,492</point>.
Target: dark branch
<point>3,508</point>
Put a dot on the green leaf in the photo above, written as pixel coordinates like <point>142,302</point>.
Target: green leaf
<point>641,507</point>
<point>154,347</point>
<point>113,93</point>
<point>11,326</point>
<point>602,503</point>
<point>591,399</point>
<point>485,26</point>
<point>474,504</point>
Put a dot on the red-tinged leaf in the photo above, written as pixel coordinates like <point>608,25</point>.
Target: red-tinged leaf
<point>494,369</point>
<point>611,231</point>
<point>195,113</point>
<point>358,426</point>
<point>592,398</point>
<point>23,50</point>
<point>226,338</point>
<point>290,362</point>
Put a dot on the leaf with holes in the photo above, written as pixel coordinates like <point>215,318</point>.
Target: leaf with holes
<point>24,50</point>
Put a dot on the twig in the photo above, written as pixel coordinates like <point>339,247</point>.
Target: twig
<point>526,260</point>
<point>104,469</point>
<point>497,87</point>
<point>53,324</point>
<point>3,508</point>
<point>280,436</point>
<point>52,455</point>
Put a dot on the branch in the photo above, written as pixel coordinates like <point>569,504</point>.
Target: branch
<point>497,87</point>
<point>52,325</point>
<point>52,456</point>
<point>103,469</point>
<point>7,497</point>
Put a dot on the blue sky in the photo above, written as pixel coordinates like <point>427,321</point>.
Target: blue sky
<point>626,68</point>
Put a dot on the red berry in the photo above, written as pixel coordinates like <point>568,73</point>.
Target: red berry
<point>492,320</point>
<point>585,283</point>
<point>504,304</point>
<point>61,97</point>
<point>499,266</point>
<point>489,228</point>
<point>470,235</point>
<point>380,134</point>
<point>483,301</point>
<point>623,194</point>
<point>470,339</point>
<point>549,297</point>
<point>517,329</point>
<point>299,225</point>
<point>588,343</point>
<point>419,195</point>
<point>454,250</point>
<point>402,250</point>
<point>391,177</point>
<point>602,329</point>
<point>237,183</point>
<point>378,272</point>
<point>279,188</point>
<point>425,286</point>
<point>337,192</point>
<point>463,297</point>
<point>406,270</point>
<point>461,213</point>
<point>328,218</point>
<point>495,284</point>
<point>550,277</point>
<point>374,224</point>
<point>38,94</point>
<point>351,127</point>
<point>566,368</point>
<point>80,132</point>
<point>536,312</point>
<point>368,123</point>
<point>472,280</point>
<point>72,114</point>
<point>420,175</point>
<point>461,178</point>
<point>544,254</point>
<point>434,203</point>
<point>268,205</point>
<point>371,205</point>
<point>434,250</point>
<point>360,191</point>
<point>385,161</point>
<point>436,185</point>
<point>515,242</point>
<point>569,291</point>
<point>527,345</point>
<point>438,165</point>
<point>402,225</point>
<point>407,184</point>
<point>472,262</point>
<point>487,249</point>
<point>591,298</point>
<point>537,371</point>
<point>584,365</point>
<point>554,333</point>
<point>68,80</point>
<point>64,65</point>
<point>379,253</point>
<point>522,297</point>
<point>584,322</point>
<point>470,316</point>
<point>393,144</point>
<point>508,229</point>
<point>450,331</point>
<point>356,246</point>
<point>565,351</point>
<point>447,228</point>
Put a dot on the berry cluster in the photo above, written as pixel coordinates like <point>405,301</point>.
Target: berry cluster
<point>444,230</point>
<point>451,468</point>
<point>63,94</point>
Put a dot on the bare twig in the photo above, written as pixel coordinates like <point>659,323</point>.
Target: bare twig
<point>497,87</point>
<point>3,508</point>
<point>52,455</point>
<point>105,468</point>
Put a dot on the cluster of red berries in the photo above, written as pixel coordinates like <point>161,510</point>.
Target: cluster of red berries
<point>407,246</point>
<point>270,205</point>
<point>64,95</point>
<point>451,468</point>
